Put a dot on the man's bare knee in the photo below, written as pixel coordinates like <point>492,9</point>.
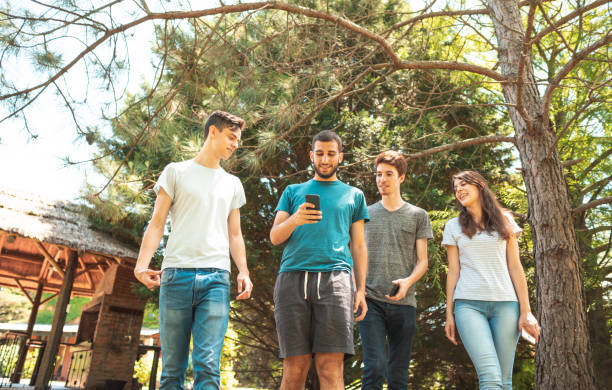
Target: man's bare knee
<point>295,370</point>
<point>330,368</point>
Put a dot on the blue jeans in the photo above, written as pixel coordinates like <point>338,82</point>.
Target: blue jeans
<point>192,300</point>
<point>489,332</point>
<point>386,322</point>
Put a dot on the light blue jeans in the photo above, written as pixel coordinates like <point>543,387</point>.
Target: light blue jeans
<point>192,300</point>
<point>489,332</point>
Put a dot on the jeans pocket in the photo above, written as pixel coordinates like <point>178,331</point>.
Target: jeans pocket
<point>168,275</point>
<point>223,277</point>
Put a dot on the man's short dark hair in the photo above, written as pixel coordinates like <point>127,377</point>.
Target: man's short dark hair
<point>327,136</point>
<point>393,158</point>
<point>223,120</point>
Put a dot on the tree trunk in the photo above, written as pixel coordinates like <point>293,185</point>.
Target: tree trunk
<point>563,355</point>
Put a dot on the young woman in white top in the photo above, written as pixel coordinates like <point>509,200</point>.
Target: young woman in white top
<point>486,290</point>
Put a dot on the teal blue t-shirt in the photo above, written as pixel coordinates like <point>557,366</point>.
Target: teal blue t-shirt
<point>322,246</point>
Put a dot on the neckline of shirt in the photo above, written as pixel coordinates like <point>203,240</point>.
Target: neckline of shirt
<point>193,162</point>
<point>325,182</point>
<point>406,204</point>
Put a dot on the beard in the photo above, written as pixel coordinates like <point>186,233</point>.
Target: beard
<point>322,175</point>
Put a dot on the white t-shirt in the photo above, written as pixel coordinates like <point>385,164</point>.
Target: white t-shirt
<point>202,199</point>
<point>483,272</point>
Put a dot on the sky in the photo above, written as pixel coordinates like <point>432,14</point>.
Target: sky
<point>37,165</point>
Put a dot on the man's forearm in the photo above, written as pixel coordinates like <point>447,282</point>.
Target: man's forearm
<point>282,231</point>
<point>150,242</point>
<point>419,270</point>
<point>360,260</point>
<point>238,252</point>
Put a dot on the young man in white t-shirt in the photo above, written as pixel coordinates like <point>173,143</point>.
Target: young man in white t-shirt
<point>203,202</point>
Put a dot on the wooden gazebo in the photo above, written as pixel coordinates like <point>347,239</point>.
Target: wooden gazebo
<point>49,246</point>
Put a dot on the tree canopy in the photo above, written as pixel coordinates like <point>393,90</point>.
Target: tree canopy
<point>452,85</point>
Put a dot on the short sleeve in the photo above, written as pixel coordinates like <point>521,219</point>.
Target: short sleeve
<point>516,229</point>
<point>284,203</point>
<point>167,181</point>
<point>361,209</point>
<point>239,198</point>
<point>424,226</point>
<point>449,237</point>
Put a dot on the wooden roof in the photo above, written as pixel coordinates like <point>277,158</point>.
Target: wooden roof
<point>35,234</point>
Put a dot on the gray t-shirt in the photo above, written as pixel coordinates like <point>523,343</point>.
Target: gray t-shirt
<point>391,238</point>
<point>202,199</point>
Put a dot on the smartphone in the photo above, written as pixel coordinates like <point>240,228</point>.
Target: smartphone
<point>527,336</point>
<point>395,290</point>
<point>315,200</point>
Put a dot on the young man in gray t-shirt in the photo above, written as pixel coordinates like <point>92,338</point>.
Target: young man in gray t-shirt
<point>396,237</point>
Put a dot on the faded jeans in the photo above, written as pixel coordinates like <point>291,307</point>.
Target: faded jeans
<point>192,301</point>
<point>489,332</point>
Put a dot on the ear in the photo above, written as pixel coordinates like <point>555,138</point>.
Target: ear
<point>212,130</point>
<point>401,178</point>
<point>340,157</point>
<point>311,156</point>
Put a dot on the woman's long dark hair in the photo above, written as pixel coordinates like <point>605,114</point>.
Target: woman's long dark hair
<point>493,218</point>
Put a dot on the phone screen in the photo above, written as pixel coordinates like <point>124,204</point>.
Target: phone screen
<point>395,290</point>
<point>315,200</point>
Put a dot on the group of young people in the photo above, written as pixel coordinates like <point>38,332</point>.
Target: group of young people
<point>335,270</point>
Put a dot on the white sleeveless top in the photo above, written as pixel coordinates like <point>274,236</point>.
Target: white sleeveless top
<point>484,272</point>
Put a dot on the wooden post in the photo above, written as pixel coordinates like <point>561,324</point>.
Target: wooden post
<point>25,342</point>
<point>59,318</point>
<point>153,377</point>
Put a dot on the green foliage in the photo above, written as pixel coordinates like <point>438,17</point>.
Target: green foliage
<point>46,311</point>
<point>150,318</point>
<point>273,83</point>
<point>290,77</point>
<point>228,359</point>
<point>14,307</point>
<point>142,368</point>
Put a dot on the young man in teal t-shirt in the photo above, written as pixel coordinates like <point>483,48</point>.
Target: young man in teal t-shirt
<point>314,297</point>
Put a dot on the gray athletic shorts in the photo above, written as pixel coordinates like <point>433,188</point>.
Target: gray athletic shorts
<point>317,318</point>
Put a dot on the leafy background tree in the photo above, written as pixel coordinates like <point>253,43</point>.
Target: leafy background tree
<point>264,79</point>
<point>440,84</point>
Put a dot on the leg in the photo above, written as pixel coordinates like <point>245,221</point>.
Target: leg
<point>475,332</point>
<point>330,369</point>
<point>295,370</point>
<point>504,325</point>
<point>209,326</point>
<point>175,316</point>
<point>372,331</point>
<point>292,317</point>
<point>401,325</point>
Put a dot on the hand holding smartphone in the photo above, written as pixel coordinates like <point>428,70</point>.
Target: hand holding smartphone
<point>394,290</point>
<point>525,335</point>
<point>315,200</point>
